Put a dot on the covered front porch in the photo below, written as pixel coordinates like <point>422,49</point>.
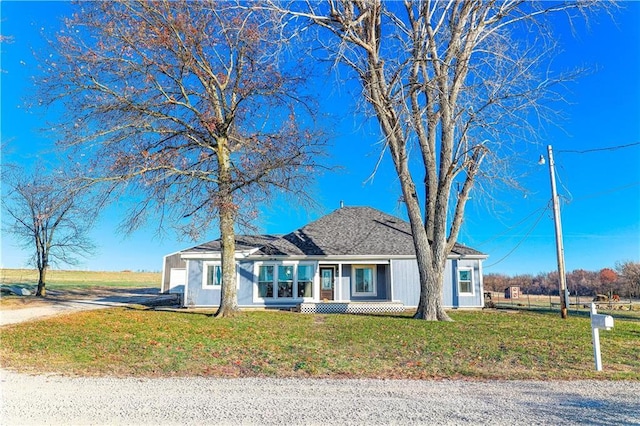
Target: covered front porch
<point>354,283</point>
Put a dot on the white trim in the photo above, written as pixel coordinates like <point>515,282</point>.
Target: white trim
<point>471,282</point>
<point>354,259</point>
<point>481,283</point>
<point>186,285</point>
<point>164,267</point>
<point>276,264</point>
<point>335,281</point>
<point>374,284</point>
<point>356,262</point>
<point>238,255</point>
<point>341,295</point>
<point>205,275</point>
<point>390,271</point>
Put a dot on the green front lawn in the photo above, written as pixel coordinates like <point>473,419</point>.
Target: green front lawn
<point>142,342</point>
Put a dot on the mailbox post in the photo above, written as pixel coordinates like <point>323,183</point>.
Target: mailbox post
<point>598,321</point>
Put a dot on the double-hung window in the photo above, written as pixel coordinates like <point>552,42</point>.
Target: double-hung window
<point>212,275</point>
<point>305,280</point>
<point>465,281</point>
<point>265,281</point>
<point>364,280</point>
<point>285,281</point>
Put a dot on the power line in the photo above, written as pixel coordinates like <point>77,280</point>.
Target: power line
<point>509,228</point>
<point>601,193</point>
<point>521,241</point>
<point>610,148</point>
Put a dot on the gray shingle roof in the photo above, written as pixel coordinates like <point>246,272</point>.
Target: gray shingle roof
<point>243,242</point>
<point>348,231</point>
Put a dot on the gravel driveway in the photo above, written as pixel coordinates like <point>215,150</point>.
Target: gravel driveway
<point>115,297</point>
<point>55,400</point>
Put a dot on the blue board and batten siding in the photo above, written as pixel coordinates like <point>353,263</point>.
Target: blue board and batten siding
<point>245,283</point>
<point>396,281</point>
<point>406,283</point>
<point>196,295</point>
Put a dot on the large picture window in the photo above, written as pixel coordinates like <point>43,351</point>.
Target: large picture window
<point>364,280</point>
<point>285,281</point>
<point>212,275</point>
<point>465,281</point>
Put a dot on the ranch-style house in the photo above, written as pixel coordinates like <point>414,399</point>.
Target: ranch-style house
<point>355,259</point>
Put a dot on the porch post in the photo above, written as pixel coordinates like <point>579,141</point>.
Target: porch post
<point>390,272</point>
<point>338,287</point>
<point>316,283</point>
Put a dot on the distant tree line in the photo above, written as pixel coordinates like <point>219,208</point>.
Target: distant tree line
<point>623,280</point>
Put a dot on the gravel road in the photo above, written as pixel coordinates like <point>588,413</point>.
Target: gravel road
<point>56,400</point>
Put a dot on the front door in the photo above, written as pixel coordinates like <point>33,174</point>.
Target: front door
<point>326,283</point>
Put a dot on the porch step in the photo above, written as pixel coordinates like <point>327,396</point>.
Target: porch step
<point>350,307</point>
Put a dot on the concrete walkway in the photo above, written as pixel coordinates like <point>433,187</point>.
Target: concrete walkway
<point>60,307</point>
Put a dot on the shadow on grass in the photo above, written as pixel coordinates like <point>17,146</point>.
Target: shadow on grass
<point>182,311</point>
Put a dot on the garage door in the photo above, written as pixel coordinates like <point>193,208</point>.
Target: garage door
<point>177,280</point>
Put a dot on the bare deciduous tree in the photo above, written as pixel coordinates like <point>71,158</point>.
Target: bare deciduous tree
<point>49,216</point>
<point>193,105</point>
<point>454,82</point>
<point>630,277</point>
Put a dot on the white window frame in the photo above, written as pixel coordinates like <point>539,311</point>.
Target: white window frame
<point>374,270</point>
<point>276,271</point>
<point>276,276</point>
<point>274,281</point>
<point>296,288</point>
<point>205,275</point>
<point>471,282</point>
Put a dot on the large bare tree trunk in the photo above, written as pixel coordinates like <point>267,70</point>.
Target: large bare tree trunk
<point>430,265</point>
<point>227,209</point>
<point>41,258</point>
<point>429,254</point>
<point>42,275</point>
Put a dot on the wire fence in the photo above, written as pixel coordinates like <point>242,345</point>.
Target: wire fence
<point>577,303</point>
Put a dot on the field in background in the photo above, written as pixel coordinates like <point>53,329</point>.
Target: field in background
<point>78,279</point>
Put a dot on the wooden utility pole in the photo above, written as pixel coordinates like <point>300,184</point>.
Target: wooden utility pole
<point>562,277</point>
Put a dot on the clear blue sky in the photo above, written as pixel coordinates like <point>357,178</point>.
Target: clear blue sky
<point>600,189</point>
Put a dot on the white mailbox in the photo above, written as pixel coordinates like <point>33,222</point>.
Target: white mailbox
<point>598,322</point>
<point>603,322</point>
